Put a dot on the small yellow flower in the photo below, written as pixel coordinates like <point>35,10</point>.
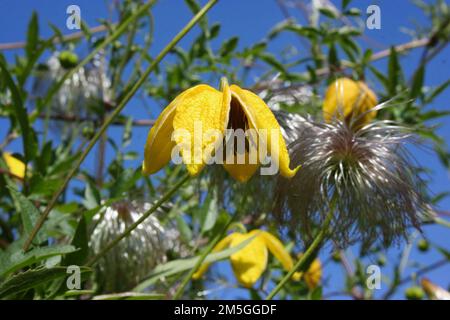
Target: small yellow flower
<point>15,166</point>
<point>230,108</point>
<point>312,276</point>
<point>349,100</point>
<point>251,261</point>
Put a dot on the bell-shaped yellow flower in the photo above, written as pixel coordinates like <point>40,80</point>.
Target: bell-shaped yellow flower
<point>349,100</point>
<point>231,108</point>
<point>15,166</point>
<point>250,262</point>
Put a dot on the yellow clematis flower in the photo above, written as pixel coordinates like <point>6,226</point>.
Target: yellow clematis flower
<point>216,111</point>
<point>15,166</point>
<point>250,262</point>
<point>349,100</point>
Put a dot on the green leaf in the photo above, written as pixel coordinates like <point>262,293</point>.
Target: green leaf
<point>212,211</point>
<point>183,227</point>
<point>333,59</point>
<point>444,252</point>
<point>380,76</point>
<point>32,35</point>
<point>228,46</point>
<point>438,90</point>
<point>328,12</point>
<point>28,213</point>
<point>272,61</point>
<point>214,31</point>
<point>91,196</point>
<point>29,139</point>
<point>345,3</point>
<point>30,279</point>
<point>81,242</point>
<point>13,261</point>
<point>393,72</point>
<point>417,83</point>
<point>33,278</point>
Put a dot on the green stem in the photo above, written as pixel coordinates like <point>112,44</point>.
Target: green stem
<point>301,263</point>
<point>133,226</point>
<point>202,258</point>
<point>113,115</point>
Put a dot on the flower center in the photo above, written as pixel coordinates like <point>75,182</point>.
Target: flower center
<point>238,119</point>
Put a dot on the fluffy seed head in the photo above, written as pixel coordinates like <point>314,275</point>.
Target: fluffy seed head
<point>369,174</point>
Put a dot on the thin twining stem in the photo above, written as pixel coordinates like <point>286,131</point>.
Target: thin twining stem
<point>301,263</point>
<point>113,115</point>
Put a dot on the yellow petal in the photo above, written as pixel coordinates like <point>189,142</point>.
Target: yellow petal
<point>204,109</point>
<point>277,249</point>
<point>251,261</point>
<point>222,244</point>
<point>241,172</point>
<point>15,166</point>
<point>314,274</point>
<point>370,101</point>
<point>159,146</point>
<point>346,99</point>
<point>260,117</point>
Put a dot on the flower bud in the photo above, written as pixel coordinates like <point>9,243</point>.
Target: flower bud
<point>350,101</point>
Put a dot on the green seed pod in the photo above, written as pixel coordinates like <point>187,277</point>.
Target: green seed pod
<point>414,293</point>
<point>336,256</point>
<point>381,260</point>
<point>423,245</point>
<point>68,59</point>
<point>88,132</point>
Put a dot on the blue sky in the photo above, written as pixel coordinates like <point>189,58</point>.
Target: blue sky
<point>251,20</point>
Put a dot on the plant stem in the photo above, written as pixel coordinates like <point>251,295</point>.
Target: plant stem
<point>133,226</point>
<point>113,115</point>
<point>301,263</point>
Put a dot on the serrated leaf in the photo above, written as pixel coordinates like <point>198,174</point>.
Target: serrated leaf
<point>32,278</point>
<point>13,261</point>
<point>28,213</point>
